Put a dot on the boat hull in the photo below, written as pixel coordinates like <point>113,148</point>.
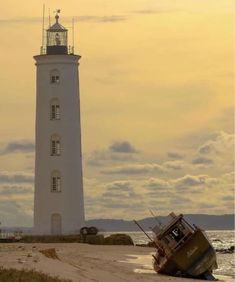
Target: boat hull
<point>193,258</point>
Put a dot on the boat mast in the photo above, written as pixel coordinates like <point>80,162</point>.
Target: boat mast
<point>158,221</point>
<point>154,243</point>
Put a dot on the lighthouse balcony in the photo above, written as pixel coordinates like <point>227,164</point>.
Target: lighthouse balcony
<point>57,50</point>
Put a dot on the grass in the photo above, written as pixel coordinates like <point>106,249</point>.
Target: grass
<point>14,275</point>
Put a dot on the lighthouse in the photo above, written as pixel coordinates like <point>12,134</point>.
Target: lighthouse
<point>58,199</point>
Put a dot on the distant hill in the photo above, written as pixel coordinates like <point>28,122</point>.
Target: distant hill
<point>207,222</point>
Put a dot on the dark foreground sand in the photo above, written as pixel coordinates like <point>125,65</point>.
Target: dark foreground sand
<point>83,263</point>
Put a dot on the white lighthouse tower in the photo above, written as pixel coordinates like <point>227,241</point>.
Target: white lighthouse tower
<point>58,203</point>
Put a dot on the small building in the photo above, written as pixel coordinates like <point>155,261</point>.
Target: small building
<point>58,203</point>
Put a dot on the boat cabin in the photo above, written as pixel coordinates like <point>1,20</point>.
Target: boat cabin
<point>173,234</point>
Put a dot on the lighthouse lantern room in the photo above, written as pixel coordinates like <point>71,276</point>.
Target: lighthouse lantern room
<point>57,37</point>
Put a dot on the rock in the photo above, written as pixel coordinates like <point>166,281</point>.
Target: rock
<point>94,239</point>
<point>217,240</point>
<point>230,250</point>
<point>152,244</point>
<point>149,244</point>
<point>89,230</point>
<point>142,245</point>
<point>118,239</point>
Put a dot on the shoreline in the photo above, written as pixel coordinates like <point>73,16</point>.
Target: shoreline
<point>83,262</point>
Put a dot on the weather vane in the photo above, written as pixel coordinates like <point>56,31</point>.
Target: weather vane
<point>57,11</point>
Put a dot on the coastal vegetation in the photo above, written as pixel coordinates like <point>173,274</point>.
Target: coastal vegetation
<point>114,239</point>
<point>51,239</point>
<point>14,275</point>
<point>118,239</point>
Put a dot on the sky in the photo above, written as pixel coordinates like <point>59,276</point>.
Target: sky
<point>157,105</point>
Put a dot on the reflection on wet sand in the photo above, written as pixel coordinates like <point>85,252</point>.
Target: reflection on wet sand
<point>143,265</point>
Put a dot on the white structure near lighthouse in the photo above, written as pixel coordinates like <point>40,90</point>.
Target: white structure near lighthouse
<point>58,203</point>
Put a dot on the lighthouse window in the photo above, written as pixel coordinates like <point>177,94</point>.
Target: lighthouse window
<point>55,146</point>
<point>56,181</point>
<point>55,110</point>
<point>55,77</point>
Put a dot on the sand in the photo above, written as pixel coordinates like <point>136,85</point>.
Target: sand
<point>83,263</point>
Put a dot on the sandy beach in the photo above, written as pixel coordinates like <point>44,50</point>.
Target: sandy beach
<point>82,262</point>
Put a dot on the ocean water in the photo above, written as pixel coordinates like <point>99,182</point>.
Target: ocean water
<point>220,239</point>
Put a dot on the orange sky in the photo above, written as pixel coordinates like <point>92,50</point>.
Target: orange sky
<point>157,75</point>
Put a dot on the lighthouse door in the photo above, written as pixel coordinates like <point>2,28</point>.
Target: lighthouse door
<point>56,224</point>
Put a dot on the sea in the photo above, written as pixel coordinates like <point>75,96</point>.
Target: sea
<point>220,239</point>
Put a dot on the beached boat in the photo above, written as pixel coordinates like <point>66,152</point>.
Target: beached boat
<point>183,250</point>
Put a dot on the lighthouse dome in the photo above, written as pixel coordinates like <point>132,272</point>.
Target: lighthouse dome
<point>57,27</point>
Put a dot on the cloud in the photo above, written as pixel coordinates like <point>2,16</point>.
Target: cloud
<point>101,19</point>
<point>226,119</point>
<point>119,186</point>
<point>229,177</point>
<point>134,169</point>
<point>132,197</point>
<point>98,158</point>
<point>122,147</point>
<point>175,155</point>
<point>15,214</point>
<point>175,165</point>
<point>146,12</point>
<point>16,177</point>
<point>228,198</point>
<point>188,181</point>
<point>202,161</point>
<point>87,18</point>
<point>206,206</point>
<point>118,151</point>
<point>116,205</point>
<point>180,200</point>
<point>118,195</point>
<point>152,11</point>
<point>121,195</point>
<point>156,183</point>
<point>119,189</point>
<point>21,146</point>
<point>219,143</point>
<point>15,190</point>
<point>16,198</point>
<point>21,20</point>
